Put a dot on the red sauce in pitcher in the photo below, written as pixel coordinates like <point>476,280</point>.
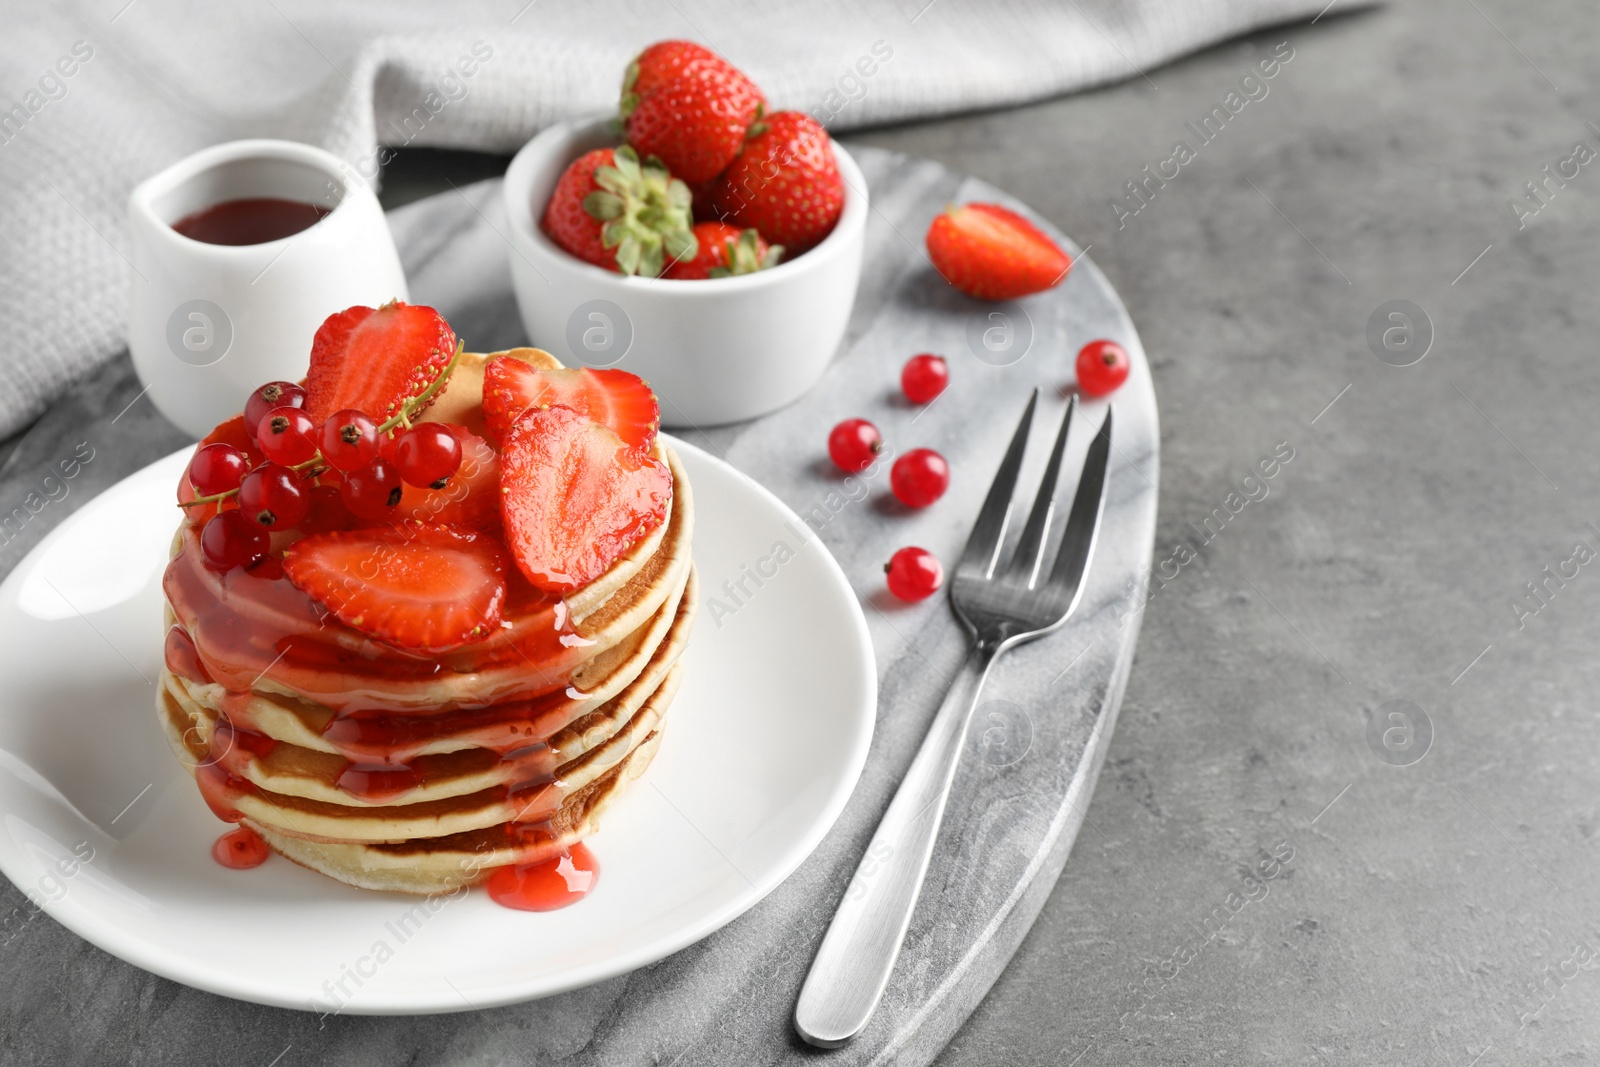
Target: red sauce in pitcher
<point>250,221</point>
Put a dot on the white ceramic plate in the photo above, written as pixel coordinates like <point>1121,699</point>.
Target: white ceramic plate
<point>100,826</point>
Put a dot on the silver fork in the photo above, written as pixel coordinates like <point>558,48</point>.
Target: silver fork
<point>1001,606</point>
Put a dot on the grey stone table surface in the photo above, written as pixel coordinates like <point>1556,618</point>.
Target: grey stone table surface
<point>1429,543</point>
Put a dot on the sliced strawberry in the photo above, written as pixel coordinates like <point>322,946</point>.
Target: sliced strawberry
<point>419,586</point>
<point>993,253</point>
<point>613,398</point>
<point>373,359</point>
<point>575,497</point>
<point>471,497</point>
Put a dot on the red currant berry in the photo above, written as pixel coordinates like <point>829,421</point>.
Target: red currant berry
<point>428,454</point>
<point>287,435</point>
<point>1102,366</point>
<point>349,440</point>
<point>924,377</point>
<point>854,444</point>
<point>273,496</point>
<point>919,477</point>
<point>269,396</point>
<point>373,492</point>
<point>217,468</point>
<point>914,574</point>
<point>230,540</point>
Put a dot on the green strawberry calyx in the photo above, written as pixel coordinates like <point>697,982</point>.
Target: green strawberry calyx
<point>646,212</point>
<point>742,257</point>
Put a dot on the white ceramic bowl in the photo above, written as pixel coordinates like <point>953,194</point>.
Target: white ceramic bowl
<point>715,351</point>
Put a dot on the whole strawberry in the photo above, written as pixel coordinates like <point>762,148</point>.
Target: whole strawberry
<point>688,106</point>
<point>785,183</point>
<point>725,251</point>
<point>993,253</point>
<point>615,212</point>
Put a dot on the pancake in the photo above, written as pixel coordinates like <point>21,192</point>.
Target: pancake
<point>402,737</point>
<point>291,769</point>
<point>394,770</point>
<point>444,865</point>
<point>320,820</point>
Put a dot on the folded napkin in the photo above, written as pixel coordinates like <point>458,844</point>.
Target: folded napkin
<point>99,95</point>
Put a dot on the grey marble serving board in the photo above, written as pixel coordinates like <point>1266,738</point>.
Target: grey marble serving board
<point>1020,796</point>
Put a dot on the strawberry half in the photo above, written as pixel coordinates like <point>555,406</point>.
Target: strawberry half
<point>614,398</point>
<point>420,586</point>
<point>575,497</point>
<point>373,359</point>
<point>993,253</point>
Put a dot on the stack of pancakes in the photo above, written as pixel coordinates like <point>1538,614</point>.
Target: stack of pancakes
<point>393,771</point>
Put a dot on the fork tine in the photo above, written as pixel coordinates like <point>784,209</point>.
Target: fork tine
<point>983,545</point>
<point>1077,542</point>
<point>1027,557</point>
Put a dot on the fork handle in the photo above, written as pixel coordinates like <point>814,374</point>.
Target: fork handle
<point>858,952</point>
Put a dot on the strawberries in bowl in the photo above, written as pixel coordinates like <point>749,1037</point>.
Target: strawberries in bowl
<point>725,275</point>
<point>698,144</point>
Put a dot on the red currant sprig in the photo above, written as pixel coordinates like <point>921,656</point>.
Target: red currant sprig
<point>348,440</point>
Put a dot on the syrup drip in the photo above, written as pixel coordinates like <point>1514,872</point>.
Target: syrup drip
<point>183,659</point>
<point>378,782</point>
<point>557,882</point>
<point>227,738</point>
<point>240,849</point>
<point>378,736</point>
<point>220,789</point>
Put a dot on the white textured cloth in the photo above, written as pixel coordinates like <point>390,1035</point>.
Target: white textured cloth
<point>98,94</point>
